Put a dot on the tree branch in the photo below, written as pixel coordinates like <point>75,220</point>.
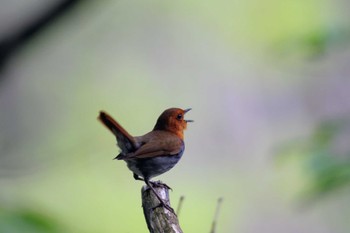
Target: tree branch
<point>159,220</point>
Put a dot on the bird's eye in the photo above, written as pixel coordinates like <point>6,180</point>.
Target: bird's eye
<point>179,117</point>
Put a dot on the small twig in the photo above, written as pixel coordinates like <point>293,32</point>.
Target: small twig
<point>179,205</point>
<point>216,215</point>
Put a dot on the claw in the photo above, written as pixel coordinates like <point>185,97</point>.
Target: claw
<point>160,184</point>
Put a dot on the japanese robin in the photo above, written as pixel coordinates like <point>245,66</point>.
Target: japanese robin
<point>154,153</point>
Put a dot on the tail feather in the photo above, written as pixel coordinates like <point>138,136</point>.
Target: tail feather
<point>126,142</point>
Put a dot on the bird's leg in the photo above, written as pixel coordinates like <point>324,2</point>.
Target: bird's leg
<point>154,183</point>
<point>162,203</point>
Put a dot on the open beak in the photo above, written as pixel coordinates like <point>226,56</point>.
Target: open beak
<point>185,111</point>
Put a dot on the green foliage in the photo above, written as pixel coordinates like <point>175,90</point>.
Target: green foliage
<point>327,168</point>
<point>29,221</point>
<point>314,43</point>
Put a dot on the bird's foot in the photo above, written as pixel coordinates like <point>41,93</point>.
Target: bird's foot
<point>160,184</point>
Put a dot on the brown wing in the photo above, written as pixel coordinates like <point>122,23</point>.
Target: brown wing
<point>126,142</point>
<point>158,143</point>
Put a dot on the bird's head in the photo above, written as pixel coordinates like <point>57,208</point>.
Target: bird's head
<point>173,120</point>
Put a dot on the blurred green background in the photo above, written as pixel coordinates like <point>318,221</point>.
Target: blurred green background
<point>268,82</point>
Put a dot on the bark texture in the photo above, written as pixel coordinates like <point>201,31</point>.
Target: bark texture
<point>159,220</point>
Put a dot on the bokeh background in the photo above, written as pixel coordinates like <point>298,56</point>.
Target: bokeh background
<point>268,82</point>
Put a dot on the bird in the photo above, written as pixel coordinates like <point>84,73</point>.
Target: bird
<point>153,153</point>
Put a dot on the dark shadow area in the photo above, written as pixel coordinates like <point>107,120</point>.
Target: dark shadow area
<point>11,43</point>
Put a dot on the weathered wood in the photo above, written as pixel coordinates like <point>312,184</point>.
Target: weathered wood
<point>160,219</point>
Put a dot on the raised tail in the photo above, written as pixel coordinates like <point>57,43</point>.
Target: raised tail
<point>126,142</point>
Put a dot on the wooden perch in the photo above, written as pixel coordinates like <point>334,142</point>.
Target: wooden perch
<point>159,220</point>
